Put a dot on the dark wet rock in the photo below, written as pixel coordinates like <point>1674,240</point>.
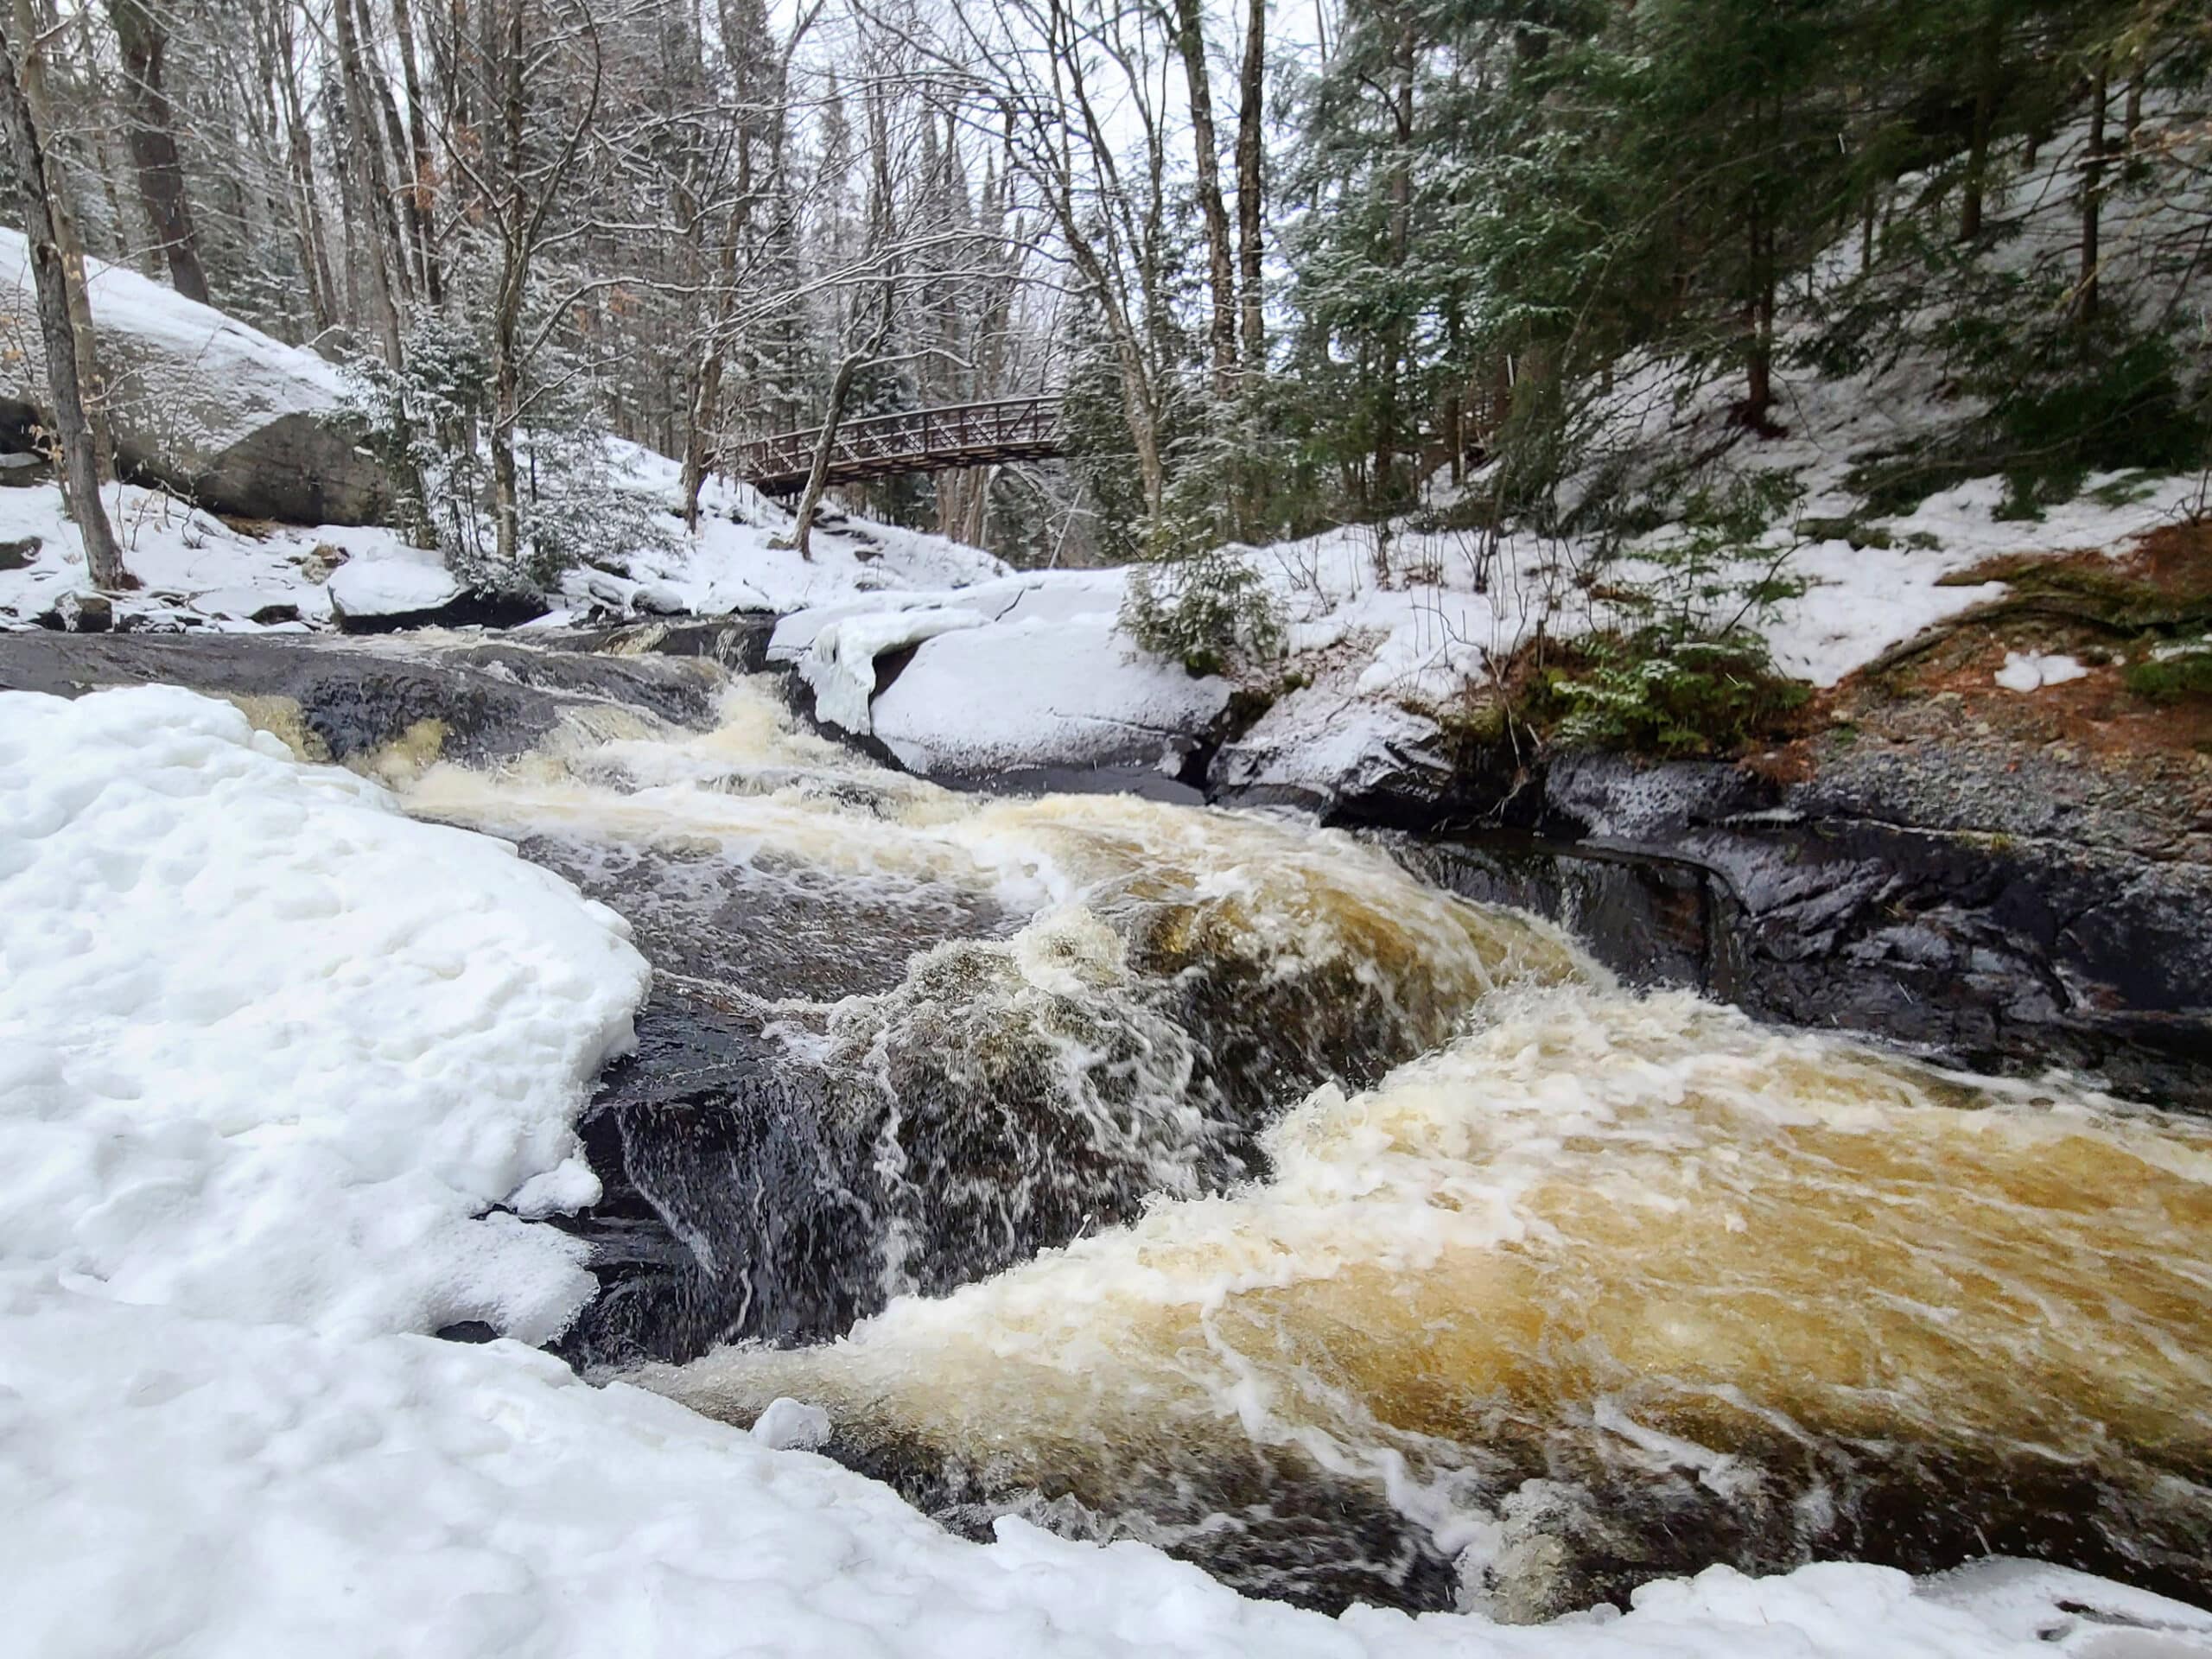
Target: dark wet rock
<point>465,610</point>
<point>1953,901</point>
<point>470,1331</point>
<point>489,701</point>
<point>19,471</point>
<point>17,554</point>
<point>78,613</point>
<point>739,642</point>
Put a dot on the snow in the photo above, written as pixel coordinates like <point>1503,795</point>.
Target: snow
<point>1322,745</point>
<point>194,566</point>
<point>1024,670</point>
<point>194,569</point>
<point>191,372</point>
<point>2031,671</point>
<point>792,1425</point>
<point>392,587</point>
<point>840,660</point>
<point>267,1047</point>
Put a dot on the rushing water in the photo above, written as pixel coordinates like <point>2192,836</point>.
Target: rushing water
<point>1161,1172</point>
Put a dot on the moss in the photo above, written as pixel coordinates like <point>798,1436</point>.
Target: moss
<point>2172,678</point>
<point>2096,591</point>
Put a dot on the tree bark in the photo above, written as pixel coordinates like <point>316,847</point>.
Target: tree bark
<point>1401,231</point>
<point>1988,44</point>
<point>825,444</point>
<point>153,145</point>
<point>1191,42</point>
<point>307,200</point>
<point>2093,194</point>
<point>506,352</point>
<point>61,314</point>
<point>1251,83</point>
<point>422,201</point>
<point>387,262</point>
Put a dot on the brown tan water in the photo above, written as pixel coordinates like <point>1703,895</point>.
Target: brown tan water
<point>1591,1286</point>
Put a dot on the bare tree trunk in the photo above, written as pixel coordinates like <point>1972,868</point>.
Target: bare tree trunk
<point>1987,46</point>
<point>825,444</point>
<point>60,319</point>
<point>153,145</point>
<point>707,385</point>
<point>387,265</point>
<point>1191,42</point>
<point>422,209</point>
<point>307,202</point>
<point>413,250</point>
<point>506,366</point>
<point>1251,86</point>
<point>2093,193</point>
<point>1401,110</point>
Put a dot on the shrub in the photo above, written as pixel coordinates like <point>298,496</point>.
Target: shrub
<point>1210,611</point>
<point>1660,692</point>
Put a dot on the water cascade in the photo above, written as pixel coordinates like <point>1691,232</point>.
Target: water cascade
<point>1194,1177</point>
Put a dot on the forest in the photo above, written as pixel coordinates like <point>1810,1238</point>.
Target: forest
<point>1285,269</point>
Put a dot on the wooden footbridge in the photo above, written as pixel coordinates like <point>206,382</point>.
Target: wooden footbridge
<point>918,440</point>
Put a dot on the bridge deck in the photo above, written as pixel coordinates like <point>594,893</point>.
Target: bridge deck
<point>917,441</point>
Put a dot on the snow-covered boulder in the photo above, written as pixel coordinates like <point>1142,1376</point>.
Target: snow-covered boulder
<point>840,663</point>
<point>1023,671</point>
<point>198,402</point>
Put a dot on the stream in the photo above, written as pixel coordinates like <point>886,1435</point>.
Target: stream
<point>1206,1179</point>
<point>1154,1172</point>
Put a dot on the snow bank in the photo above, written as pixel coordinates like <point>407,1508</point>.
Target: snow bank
<point>196,570</point>
<point>267,1047</point>
<point>204,1490</point>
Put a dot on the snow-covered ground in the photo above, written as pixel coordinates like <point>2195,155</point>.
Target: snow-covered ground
<point>268,1050</point>
<point>197,570</point>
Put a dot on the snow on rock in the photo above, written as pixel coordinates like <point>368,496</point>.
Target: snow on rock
<point>397,586</point>
<point>203,401</point>
<point>1048,679</point>
<point>1317,747</point>
<point>1024,670</point>
<point>792,1425</point>
<point>2030,671</point>
<point>268,1048</point>
<point>840,660</point>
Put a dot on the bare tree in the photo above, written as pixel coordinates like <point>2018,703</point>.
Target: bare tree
<point>1197,77</point>
<point>153,143</point>
<point>1251,199</point>
<point>64,321</point>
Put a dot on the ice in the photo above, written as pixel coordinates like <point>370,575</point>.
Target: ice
<point>840,660</point>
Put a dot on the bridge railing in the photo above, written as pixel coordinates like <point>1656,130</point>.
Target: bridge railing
<point>912,440</point>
